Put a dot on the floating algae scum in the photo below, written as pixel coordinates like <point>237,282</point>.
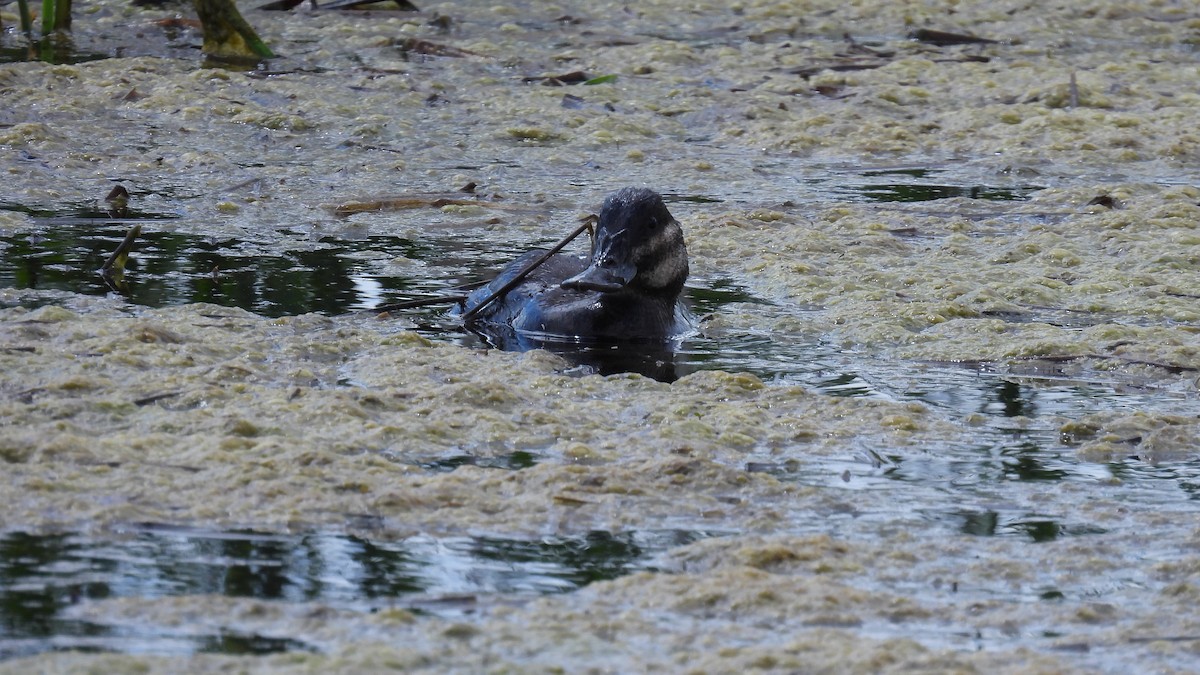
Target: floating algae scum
<point>941,413</point>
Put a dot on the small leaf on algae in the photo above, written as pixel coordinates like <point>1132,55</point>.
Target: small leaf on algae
<point>603,79</point>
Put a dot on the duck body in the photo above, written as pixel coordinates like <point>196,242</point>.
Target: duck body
<point>627,290</point>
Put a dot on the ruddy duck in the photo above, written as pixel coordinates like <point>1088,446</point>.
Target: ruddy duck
<point>627,291</point>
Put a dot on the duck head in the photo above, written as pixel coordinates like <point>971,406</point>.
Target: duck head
<point>638,247</point>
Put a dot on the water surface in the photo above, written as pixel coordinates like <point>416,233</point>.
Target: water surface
<point>43,576</point>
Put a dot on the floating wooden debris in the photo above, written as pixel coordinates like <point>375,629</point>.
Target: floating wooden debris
<point>945,39</point>
<point>154,398</point>
<point>843,64</point>
<point>397,5</point>
<point>282,5</point>
<point>966,58</point>
<point>834,91</point>
<point>570,501</point>
<point>419,46</point>
<point>850,63</point>
<point>1107,201</point>
<point>855,47</point>
<point>400,5</point>
<point>404,202</point>
<point>858,56</point>
<point>572,102</point>
<point>573,77</point>
<point>179,22</point>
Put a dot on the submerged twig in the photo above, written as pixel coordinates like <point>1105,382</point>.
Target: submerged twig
<point>116,261</point>
<point>586,225</point>
<point>419,302</point>
<point>113,269</point>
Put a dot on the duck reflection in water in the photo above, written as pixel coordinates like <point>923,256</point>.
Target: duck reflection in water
<point>618,310</point>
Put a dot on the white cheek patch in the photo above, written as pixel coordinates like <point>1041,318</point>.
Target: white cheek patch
<point>667,250</point>
<point>663,274</point>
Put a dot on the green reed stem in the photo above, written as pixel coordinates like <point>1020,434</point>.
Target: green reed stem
<point>48,15</point>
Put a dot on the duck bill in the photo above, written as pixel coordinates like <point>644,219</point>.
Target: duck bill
<point>604,279</point>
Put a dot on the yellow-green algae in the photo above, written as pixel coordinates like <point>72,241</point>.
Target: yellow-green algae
<point>243,414</point>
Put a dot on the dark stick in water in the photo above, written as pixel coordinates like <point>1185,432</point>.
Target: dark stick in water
<point>116,261</point>
<point>419,302</point>
<point>533,265</point>
<point>113,271</point>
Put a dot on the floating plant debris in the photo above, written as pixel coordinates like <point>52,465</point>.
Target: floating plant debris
<point>393,5</point>
<point>427,48</point>
<point>945,39</point>
<point>573,77</point>
<point>402,202</point>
